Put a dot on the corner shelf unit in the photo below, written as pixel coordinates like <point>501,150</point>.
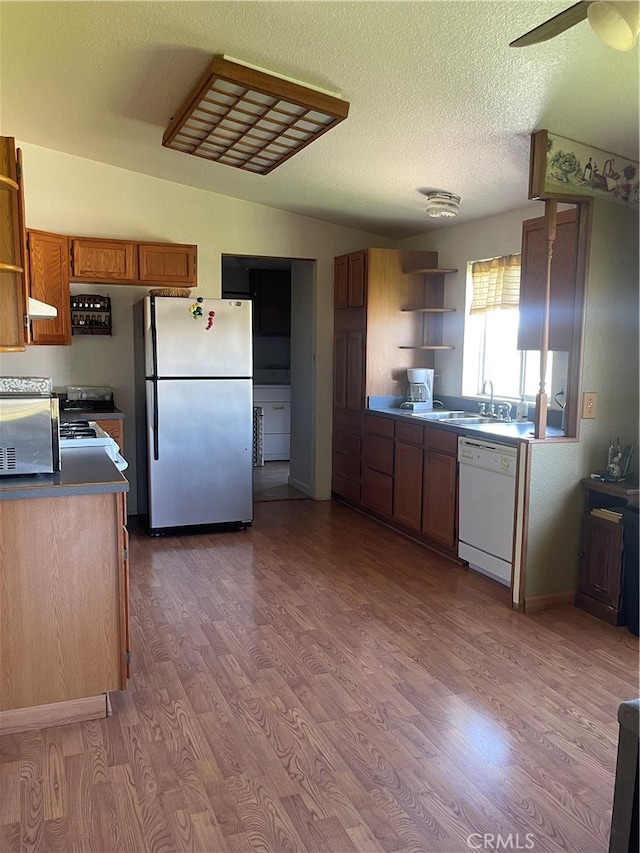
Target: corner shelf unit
<point>432,308</point>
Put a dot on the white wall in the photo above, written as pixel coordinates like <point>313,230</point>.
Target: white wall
<point>610,368</point>
<point>457,245</point>
<point>70,195</point>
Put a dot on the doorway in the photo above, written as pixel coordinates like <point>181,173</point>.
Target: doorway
<point>281,290</point>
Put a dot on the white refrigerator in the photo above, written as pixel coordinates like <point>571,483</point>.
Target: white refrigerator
<point>194,412</point>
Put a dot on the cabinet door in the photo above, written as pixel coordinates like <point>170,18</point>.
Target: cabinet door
<point>377,491</point>
<point>533,279</point>
<point>340,282</point>
<point>350,280</point>
<point>355,371</point>
<point>407,486</point>
<point>172,264</point>
<point>49,266</point>
<point>601,570</point>
<point>439,498</point>
<point>103,260</point>
<point>356,279</point>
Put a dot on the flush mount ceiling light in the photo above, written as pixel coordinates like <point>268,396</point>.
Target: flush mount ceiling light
<point>442,205</point>
<point>250,118</point>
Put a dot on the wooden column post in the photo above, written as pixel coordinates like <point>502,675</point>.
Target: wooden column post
<point>540,418</point>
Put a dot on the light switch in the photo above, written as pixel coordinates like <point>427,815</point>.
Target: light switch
<point>589,403</point>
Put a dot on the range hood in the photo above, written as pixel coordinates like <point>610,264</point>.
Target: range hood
<point>40,310</point>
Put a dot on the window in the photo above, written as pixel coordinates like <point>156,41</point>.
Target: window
<point>491,333</point>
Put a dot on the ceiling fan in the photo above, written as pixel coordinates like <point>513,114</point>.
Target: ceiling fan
<point>616,23</point>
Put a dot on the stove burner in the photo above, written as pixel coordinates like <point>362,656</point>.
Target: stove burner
<point>77,429</point>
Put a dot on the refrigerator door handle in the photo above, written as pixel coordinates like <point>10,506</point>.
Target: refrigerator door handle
<point>156,419</point>
<point>154,337</point>
<point>154,378</point>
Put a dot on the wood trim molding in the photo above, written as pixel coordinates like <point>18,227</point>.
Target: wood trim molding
<point>55,714</point>
<point>536,603</point>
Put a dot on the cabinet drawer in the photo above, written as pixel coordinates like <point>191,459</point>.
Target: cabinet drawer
<point>410,433</point>
<point>348,489</point>
<point>346,466</point>
<point>346,443</point>
<point>277,417</point>
<point>442,440</point>
<point>377,491</point>
<point>276,446</point>
<point>275,394</point>
<point>377,453</point>
<point>378,426</point>
<point>347,421</point>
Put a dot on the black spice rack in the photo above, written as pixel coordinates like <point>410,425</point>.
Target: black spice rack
<point>90,314</point>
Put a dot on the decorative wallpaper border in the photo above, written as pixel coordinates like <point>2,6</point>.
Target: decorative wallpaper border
<point>564,168</point>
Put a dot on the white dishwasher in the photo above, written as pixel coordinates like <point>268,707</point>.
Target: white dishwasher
<point>486,506</point>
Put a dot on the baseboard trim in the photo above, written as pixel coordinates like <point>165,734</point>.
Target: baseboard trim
<point>301,487</point>
<point>536,603</point>
<point>55,714</point>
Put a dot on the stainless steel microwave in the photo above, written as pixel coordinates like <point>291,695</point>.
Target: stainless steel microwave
<point>29,434</point>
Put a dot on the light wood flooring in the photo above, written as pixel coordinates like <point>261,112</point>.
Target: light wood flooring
<point>319,683</point>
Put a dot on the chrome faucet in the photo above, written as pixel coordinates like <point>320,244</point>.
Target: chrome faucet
<point>504,411</point>
<point>491,410</point>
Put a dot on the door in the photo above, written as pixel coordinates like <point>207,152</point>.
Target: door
<point>187,344</point>
<point>200,452</point>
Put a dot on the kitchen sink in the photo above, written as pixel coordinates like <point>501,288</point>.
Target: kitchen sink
<point>439,415</point>
<point>472,419</point>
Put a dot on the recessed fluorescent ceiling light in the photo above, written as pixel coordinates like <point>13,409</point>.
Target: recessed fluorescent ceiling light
<point>250,118</point>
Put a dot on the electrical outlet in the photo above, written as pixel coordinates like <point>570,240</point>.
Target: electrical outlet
<point>438,379</point>
<point>589,403</point>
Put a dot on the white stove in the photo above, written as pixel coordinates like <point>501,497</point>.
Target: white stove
<point>75,434</point>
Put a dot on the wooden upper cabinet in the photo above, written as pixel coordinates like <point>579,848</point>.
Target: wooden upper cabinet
<point>127,262</point>
<point>103,260</point>
<point>533,278</point>
<point>49,277</point>
<point>167,264</point>
<point>349,280</point>
<point>13,263</point>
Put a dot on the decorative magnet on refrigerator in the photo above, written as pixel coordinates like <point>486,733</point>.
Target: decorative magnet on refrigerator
<point>196,308</point>
<point>212,315</point>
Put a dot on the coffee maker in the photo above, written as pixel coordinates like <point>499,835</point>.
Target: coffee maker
<point>420,390</point>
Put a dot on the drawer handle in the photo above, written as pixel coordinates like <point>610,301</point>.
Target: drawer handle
<point>278,407</point>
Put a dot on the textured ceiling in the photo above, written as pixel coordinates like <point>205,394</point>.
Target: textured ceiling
<point>438,99</point>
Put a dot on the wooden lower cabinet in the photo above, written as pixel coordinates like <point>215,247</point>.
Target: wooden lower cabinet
<point>407,485</point>
<point>115,428</point>
<point>347,444</point>
<point>439,498</point>
<point>600,569</point>
<point>64,608</point>
<point>440,487</point>
<point>377,464</point>
<point>406,473</point>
